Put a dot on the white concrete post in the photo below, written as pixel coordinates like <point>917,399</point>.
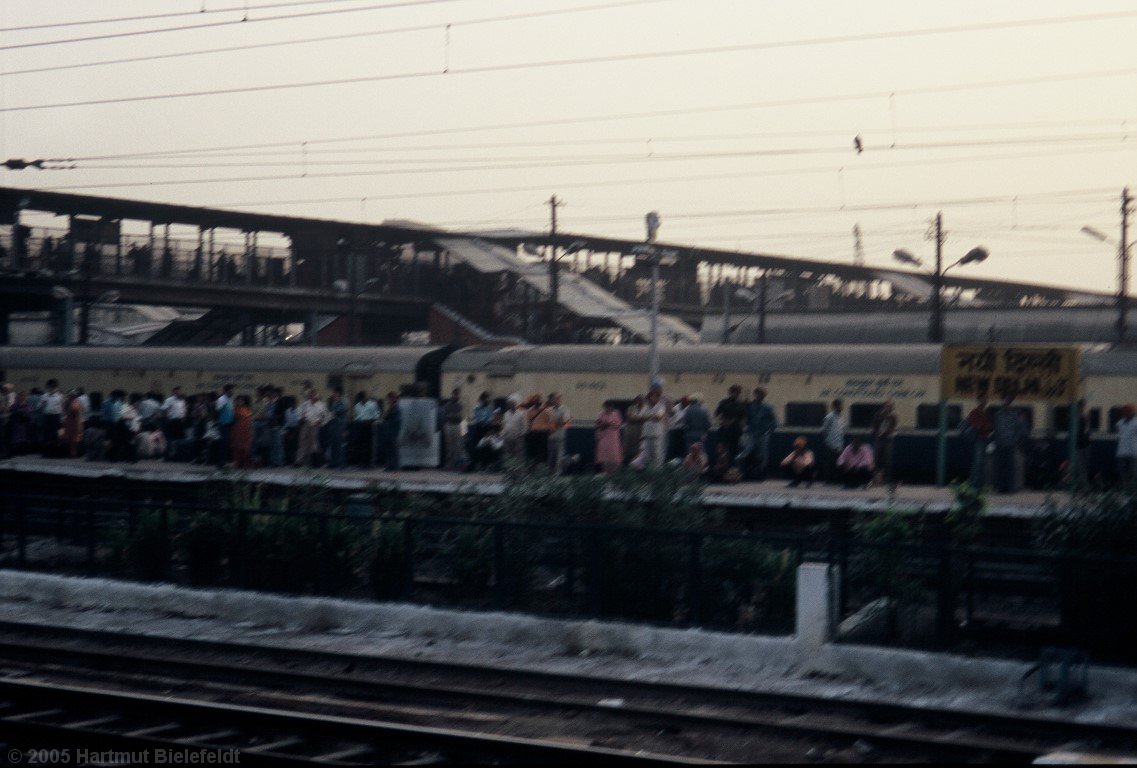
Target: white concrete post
<point>814,606</point>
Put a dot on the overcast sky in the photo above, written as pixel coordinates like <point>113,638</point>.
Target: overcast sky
<point>735,120</point>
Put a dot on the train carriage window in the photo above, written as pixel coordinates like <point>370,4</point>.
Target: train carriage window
<point>860,414</point>
<point>1062,418</point>
<point>1114,417</point>
<point>805,414</point>
<point>928,416</point>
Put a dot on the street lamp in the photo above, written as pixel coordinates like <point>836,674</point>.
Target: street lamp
<point>342,286</point>
<point>975,255</point>
<point>554,281</point>
<point>59,293</point>
<point>759,305</point>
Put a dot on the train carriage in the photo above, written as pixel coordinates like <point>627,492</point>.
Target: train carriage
<point>800,381</point>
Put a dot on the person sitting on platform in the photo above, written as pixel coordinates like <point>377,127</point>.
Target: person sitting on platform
<point>800,463</point>
<point>695,461</point>
<point>489,450</point>
<point>856,463</point>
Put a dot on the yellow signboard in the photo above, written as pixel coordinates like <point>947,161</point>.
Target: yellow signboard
<point>1034,373</point>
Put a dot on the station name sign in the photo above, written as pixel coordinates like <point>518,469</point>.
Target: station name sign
<point>1032,373</point>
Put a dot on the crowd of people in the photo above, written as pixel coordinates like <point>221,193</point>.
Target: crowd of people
<point>730,444</point>
<point>218,428</point>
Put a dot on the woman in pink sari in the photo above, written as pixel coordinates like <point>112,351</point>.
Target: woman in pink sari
<point>609,451</point>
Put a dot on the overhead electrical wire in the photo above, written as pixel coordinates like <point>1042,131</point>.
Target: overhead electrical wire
<point>173,14</point>
<point>527,161</point>
<point>469,168</point>
<point>229,23</point>
<point>332,38</point>
<point>608,58</point>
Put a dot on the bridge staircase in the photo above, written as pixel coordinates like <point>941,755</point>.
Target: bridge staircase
<point>576,295</point>
<point>216,327</point>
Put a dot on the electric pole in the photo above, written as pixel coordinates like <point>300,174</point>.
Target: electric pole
<point>1123,267</point>
<point>554,285</point>
<point>936,332</point>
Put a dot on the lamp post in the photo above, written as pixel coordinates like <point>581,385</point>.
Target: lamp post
<point>554,278</point>
<point>1122,263</point>
<point>759,304</point>
<point>652,222</point>
<point>975,255</point>
<point>67,327</point>
<point>343,286</point>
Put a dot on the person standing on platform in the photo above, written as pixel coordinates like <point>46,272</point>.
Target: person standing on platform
<point>313,414</point>
<point>514,425</point>
<point>696,423</point>
<point>335,428</point>
<point>654,434</point>
<point>676,444</point>
<point>609,451</point>
<point>1010,434</point>
<point>480,419</point>
<point>241,434</point>
<point>174,412</point>
<point>832,441</point>
<point>364,414</point>
<point>450,411</point>
<point>389,426</point>
<point>1127,445</point>
<point>561,418</point>
<point>883,428</point>
<point>72,425</point>
<point>633,427</point>
<point>980,427</point>
<point>223,406</point>
<point>1082,467</point>
<point>51,409</point>
<point>731,412</point>
<point>541,426</point>
<point>760,425</point>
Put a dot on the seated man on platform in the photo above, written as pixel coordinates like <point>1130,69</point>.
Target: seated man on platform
<point>800,463</point>
<point>856,463</point>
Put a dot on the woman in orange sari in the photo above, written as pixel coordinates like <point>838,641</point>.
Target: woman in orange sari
<point>241,435</point>
<point>72,424</point>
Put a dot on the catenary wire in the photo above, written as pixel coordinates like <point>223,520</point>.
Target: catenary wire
<point>345,36</point>
<point>213,24</point>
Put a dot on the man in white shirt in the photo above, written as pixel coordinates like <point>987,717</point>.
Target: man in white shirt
<point>313,414</point>
<point>832,441</point>
<point>174,411</point>
<point>514,425</point>
<point>150,408</point>
<point>51,408</point>
<point>653,437</point>
<point>562,420</point>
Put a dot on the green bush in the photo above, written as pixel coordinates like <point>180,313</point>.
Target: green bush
<point>882,566</point>
<point>747,584</point>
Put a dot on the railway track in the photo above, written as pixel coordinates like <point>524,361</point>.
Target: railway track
<point>622,717</point>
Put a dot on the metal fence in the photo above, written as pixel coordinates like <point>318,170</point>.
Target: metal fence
<point>930,594</point>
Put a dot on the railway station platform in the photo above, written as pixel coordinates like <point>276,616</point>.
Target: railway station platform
<point>769,494</point>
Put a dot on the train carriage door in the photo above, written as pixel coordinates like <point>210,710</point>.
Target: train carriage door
<point>428,369</point>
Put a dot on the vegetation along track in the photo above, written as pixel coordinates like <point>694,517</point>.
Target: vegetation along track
<point>623,717</point>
